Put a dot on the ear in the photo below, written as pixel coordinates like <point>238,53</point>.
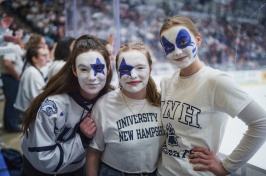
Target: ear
<point>199,39</point>
<point>74,71</point>
<point>34,59</point>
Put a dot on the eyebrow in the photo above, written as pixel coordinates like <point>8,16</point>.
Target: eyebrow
<point>141,65</point>
<point>82,65</point>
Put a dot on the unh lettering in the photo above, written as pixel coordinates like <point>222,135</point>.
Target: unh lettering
<point>187,114</point>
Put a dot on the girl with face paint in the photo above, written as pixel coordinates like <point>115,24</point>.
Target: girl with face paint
<point>57,128</point>
<point>196,102</point>
<point>129,132</point>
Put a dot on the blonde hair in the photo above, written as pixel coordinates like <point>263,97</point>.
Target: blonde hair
<point>153,96</point>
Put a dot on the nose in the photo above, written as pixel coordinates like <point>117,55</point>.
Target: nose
<point>91,75</point>
<point>178,51</point>
<point>133,74</point>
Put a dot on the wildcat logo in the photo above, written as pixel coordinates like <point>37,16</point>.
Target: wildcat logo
<point>49,107</point>
<point>171,136</point>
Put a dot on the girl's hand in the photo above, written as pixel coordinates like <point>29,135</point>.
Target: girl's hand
<point>88,127</point>
<point>208,160</point>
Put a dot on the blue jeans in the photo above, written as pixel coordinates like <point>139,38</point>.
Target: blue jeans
<point>106,170</point>
<point>10,89</point>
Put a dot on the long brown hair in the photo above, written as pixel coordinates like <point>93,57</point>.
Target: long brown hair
<point>65,81</point>
<point>153,96</point>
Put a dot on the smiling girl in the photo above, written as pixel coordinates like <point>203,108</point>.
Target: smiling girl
<point>129,133</point>
<point>57,129</point>
<point>196,103</point>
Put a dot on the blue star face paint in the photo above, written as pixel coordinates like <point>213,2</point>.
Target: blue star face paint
<point>133,71</point>
<point>179,45</point>
<point>91,72</point>
<point>98,67</point>
<point>124,69</point>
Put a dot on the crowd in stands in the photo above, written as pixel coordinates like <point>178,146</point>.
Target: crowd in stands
<point>26,63</point>
<point>233,31</point>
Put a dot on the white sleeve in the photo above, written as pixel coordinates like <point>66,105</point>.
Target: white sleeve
<point>229,97</point>
<point>255,117</point>
<point>98,139</point>
<point>43,146</point>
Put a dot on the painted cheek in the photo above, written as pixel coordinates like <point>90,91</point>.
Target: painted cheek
<point>123,79</point>
<point>82,79</point>
<point>194,51</point>
<point>145,75</point>
<point>191,51</point>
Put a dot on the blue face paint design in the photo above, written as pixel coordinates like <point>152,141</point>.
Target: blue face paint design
<point>194,52</point>
<point>125,69</point>
<point>98,67</point>
<point>183,40</point>
<point>168,46</point>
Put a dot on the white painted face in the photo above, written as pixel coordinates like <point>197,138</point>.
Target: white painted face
<point>179,46</point>
<point>133,71</point>
<point>91,72</point>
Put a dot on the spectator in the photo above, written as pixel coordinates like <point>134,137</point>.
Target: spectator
<point>122,144</point>
<point>196,103</point>
<point>32,80</point>
<point>62,51</point>
<point>53,142</point>
<point>12,66</point>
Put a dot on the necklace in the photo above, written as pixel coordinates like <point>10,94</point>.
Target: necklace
<point>129,107</point>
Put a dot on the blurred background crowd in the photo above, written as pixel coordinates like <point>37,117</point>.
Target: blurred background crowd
<point>233,31</point>
<point>234,38</point>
